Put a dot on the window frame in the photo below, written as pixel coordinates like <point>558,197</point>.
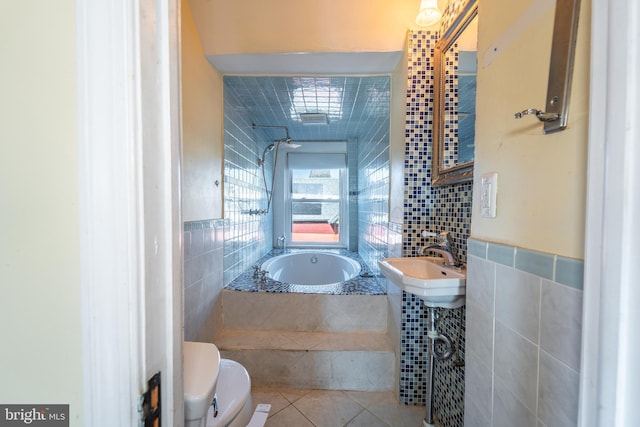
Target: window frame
<point>343,209</point>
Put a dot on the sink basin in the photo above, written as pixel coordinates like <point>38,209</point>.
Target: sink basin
<point>428,279</point>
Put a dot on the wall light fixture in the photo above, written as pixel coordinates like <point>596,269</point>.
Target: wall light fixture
<point>429,13</point>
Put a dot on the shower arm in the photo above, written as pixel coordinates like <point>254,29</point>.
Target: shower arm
<point>287,139</point>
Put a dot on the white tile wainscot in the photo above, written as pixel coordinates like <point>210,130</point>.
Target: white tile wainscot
<point>524,311</point>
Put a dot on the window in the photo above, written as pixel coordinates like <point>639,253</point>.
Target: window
<point>318,209</point>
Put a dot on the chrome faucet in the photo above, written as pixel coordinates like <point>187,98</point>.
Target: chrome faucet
<point>443,246</point>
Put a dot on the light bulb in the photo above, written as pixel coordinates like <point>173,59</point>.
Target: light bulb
<point>429,13</point>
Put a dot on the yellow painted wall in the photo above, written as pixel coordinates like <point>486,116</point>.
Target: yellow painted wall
<point>247,26</point>
<point>40,359</point>
<point>202,133</point>
<point>541,178</point>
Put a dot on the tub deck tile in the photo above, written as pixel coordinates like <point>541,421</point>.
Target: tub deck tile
<point>366,283</point>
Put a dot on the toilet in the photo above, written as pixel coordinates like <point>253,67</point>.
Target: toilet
<point>217,392</point>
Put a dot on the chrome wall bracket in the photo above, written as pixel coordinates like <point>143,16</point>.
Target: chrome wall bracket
<point>565,32</point>
<point>541,115</point>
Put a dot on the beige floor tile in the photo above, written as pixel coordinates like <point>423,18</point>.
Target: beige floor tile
<point>292,407</point>
<point>373,398</point>
<point>327,408</point>
<point>367,419</point>
<point>294,394</point>
<point>270,396</point>
<point>288,417</point>
<point>385,406</point>
<point>407,416</point>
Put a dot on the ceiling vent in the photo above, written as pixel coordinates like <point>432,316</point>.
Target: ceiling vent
<point>314,119</point>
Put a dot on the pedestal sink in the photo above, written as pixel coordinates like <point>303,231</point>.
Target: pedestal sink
<point>428,279</point>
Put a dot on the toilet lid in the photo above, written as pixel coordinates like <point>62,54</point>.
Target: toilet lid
<point>232,392</point>
<point>200,373</point>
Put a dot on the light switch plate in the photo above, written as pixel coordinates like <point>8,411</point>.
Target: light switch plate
<point>488,191</point>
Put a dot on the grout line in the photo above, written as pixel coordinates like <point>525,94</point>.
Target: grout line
<point>539,344</point>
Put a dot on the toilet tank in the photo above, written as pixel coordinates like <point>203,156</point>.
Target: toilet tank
<point>200,375</point>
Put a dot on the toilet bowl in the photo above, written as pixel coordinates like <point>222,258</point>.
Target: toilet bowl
<point>217,392</point>
<point>233,397</point>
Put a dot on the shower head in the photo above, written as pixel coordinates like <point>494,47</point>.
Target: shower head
<point>269,148</point>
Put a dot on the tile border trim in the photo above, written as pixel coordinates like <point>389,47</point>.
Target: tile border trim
<point>560,269</point>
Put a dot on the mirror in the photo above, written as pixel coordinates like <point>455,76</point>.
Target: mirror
<point>455,99</point>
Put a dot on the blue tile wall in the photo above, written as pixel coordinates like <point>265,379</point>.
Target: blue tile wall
<point>352,165</point>
<point>373,178</point>
<point>247,236</point>
<point>364,111</point>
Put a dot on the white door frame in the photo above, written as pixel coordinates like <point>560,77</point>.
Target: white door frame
<point>130,225</point>
<point>610,372</point>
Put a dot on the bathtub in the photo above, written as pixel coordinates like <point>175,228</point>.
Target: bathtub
<point>311,268</point>
<point>328,271</point>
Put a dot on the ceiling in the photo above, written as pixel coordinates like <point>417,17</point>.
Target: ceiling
<point>250,27</point>
<point>352,104</point>
<point>260,48</point>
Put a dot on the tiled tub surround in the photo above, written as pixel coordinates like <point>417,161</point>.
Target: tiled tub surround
<point>203,282</point>
<point>361,361</point>
<point>366,99</point>
<point>335,340</point>
<point>307,340</point>
<point>373,181</point>
<point>365,283</point>
<point>288,335</point>
<point>524,311</point>
<point>247,237</point>
<point>354,209</point>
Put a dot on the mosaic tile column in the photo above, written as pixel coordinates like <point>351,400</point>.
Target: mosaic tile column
<point>434,209</point>
<point>417,203</point>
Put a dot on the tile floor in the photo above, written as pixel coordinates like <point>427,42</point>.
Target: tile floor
<point>334,408</point>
